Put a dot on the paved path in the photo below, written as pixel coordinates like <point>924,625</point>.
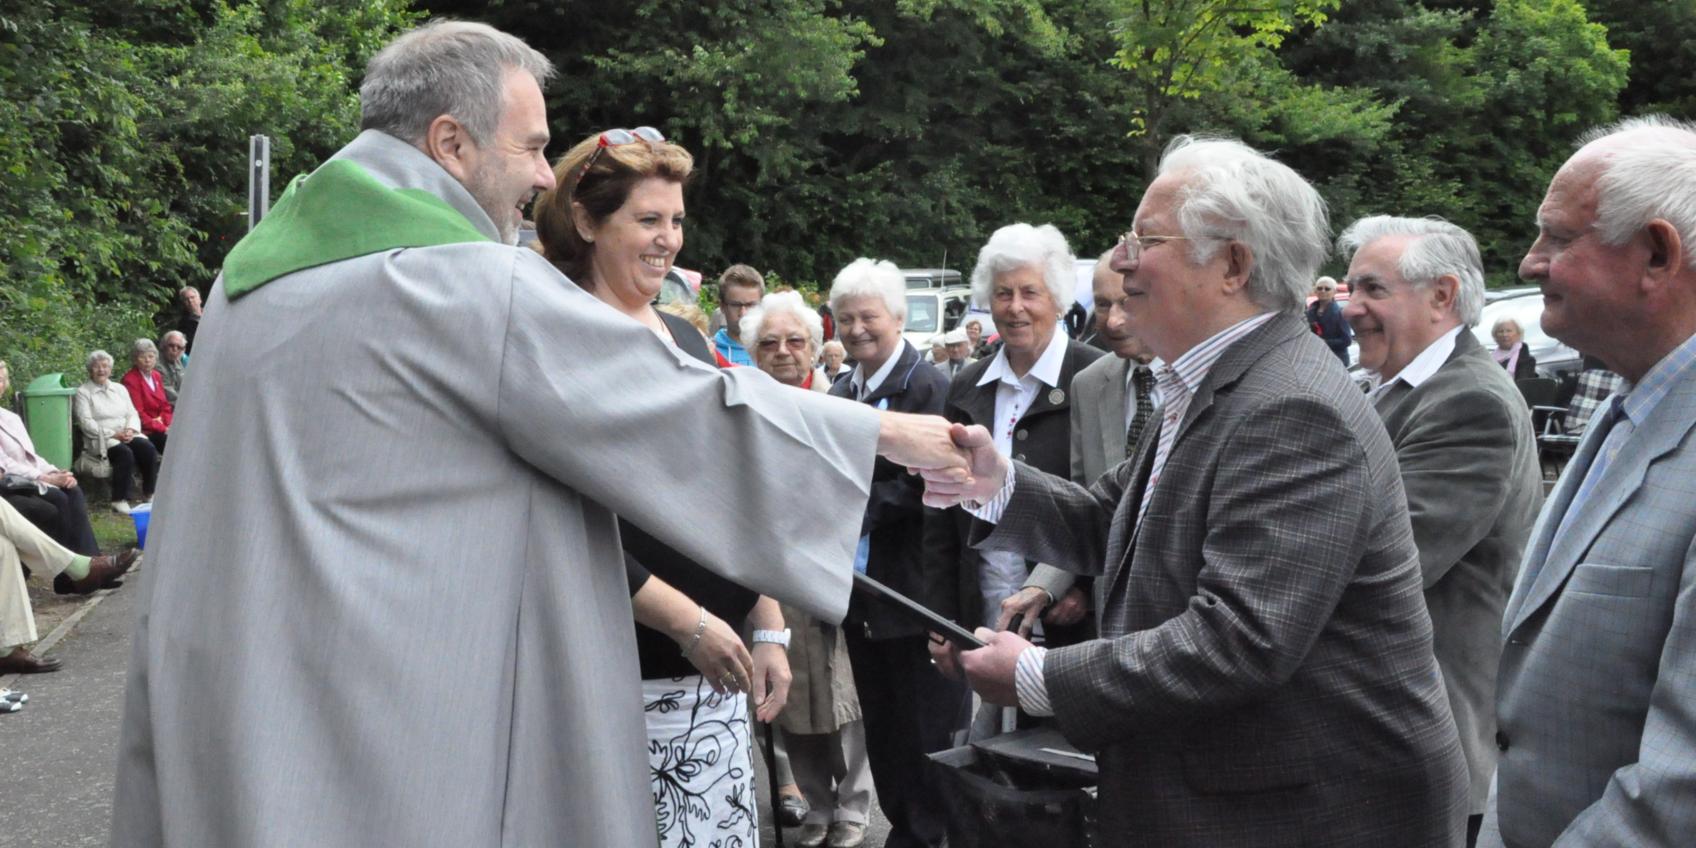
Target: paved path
<point>62,747</point>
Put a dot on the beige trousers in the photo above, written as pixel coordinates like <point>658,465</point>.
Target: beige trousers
<point>23,543</point>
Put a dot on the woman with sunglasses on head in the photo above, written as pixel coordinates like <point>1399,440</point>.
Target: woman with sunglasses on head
<point>614,224</point>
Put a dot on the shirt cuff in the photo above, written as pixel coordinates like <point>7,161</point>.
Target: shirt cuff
<point>1028,682</point>
<point>991,509</point>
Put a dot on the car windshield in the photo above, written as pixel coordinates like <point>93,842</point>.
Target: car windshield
<point>921,314</point>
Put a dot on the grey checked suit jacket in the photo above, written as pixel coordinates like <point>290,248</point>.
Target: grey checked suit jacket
<point>1597,688</point>
<point>1469,466</point>
<point>1265,676</point>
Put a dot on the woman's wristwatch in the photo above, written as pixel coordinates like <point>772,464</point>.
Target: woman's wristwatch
<point>775,637</point>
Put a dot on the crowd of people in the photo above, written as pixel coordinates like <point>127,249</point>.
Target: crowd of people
<point>1276,608</point>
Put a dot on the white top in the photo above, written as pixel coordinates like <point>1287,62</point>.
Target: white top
<point>102,411</point>
<point>1423,366</point>
<point>863,386</point>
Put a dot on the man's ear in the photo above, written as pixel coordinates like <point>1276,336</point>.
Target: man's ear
<point>447,141</point>
<point>1445,290</point>
<point>1239,261</point>
<point>1666,254</point>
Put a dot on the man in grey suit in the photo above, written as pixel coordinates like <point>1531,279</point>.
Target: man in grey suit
<point>1463,440</point>
<point>388,602</point>
<point>1112,402</point>
<point>1265,674</point>
<point>1596,700</point>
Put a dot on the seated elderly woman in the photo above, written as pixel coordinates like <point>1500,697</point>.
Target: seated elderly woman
<point>822,730</point>
<point>147,392</point>
<point>111,433</point>
<point>1511,352</point>
<point>48,496</point>
<point>831,359</point>
<point>614,224</point>
<point>1021,394</point>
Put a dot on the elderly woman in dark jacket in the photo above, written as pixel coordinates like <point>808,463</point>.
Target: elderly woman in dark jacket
<point>909,709</point>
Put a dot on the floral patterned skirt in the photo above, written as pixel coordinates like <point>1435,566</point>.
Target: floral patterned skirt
<point>699,761</point>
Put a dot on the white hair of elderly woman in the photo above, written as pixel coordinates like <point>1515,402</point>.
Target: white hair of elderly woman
<point>96,356</point>
<point>1233,192</point>
<point>142,346</point>
<point>1652,177</point>
<point>778,303</point>
<point>871,278</point>
<point>1439,248</point>
<point>1019,245</point>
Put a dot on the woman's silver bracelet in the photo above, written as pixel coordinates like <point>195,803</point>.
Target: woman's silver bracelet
<point>700,628</point>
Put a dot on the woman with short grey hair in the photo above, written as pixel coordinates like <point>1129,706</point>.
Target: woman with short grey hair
<point>111,433</point>
<point>147,392</point>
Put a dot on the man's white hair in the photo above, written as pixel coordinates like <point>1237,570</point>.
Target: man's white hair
<point>444,67</point>
<point>1233,192</point>
<point>1018,245</point>
<point>871,278</point>
<point>778,303</point>
<point>1648,172</point>
<point>1438,248</point>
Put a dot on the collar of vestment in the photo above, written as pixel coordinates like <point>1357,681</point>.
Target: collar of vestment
<point>1046,369</point>
<point>377,194</point>
<point>1640,398</point>
<point>864,386</point>
<point>1427,363</point>
<point>1190,368</point>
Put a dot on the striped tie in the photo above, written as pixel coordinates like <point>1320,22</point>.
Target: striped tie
<point>1174,400</point>
<point>1142,381</point>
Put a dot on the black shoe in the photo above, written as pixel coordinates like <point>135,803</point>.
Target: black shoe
<point>792,810</point>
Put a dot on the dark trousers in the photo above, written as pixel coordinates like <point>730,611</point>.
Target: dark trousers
<point>158,440</point>
<point>909,710</point>
<point>128,458</point>
<point>61,514</point>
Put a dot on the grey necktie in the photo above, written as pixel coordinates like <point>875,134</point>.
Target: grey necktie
<point>1142,382</point>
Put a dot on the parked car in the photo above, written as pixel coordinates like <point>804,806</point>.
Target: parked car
<point>932,278</point>
<point>932,311</point>
<point>679,284</point>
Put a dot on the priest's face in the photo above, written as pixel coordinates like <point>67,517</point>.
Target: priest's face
<point>635,245</point>
<point>507,170</point>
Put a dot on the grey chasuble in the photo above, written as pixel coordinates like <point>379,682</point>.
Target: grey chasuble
<point>386,602</point>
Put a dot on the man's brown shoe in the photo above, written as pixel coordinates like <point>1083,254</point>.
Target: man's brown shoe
<point>20,661</point>
<point>103,571</point>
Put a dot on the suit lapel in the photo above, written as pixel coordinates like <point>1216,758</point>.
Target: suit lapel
<point>1551,560</point>
<point>1110,413</point>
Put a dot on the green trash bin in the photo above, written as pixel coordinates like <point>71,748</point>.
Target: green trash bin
<point>47,414</point>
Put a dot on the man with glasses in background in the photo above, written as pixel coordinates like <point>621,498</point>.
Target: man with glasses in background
<point>739,290</point>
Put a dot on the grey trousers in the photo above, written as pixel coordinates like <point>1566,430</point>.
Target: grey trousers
<point>833,773</point>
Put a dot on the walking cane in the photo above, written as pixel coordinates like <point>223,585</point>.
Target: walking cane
<point>771,774</point>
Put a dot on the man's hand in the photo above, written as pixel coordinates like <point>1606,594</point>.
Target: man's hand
<point>1028,602</point>
<point>1070,609</point>
<point>920,442</point>
<point>984,475</point>
<point>771,680</point>
<point>945,655</point>
<point>989,669</point>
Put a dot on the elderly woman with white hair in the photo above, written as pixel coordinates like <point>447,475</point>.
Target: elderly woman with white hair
<point>112,438</point>
<point>822,730</point>
<point>147,391</point>
<point>1022,395</point>
<point>909,710</point>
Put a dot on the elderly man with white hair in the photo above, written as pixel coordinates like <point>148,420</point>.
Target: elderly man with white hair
<point>1265,672</point>
<point>173,362</point>
<point>1596,697</point>
<point>1464,444</point>
<point>1025,274</point>
<point>909,709</point>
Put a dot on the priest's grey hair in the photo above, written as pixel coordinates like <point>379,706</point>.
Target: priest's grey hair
<point>871,278</point>
<point>444,67</point>
<point>1232,192</point>
<point>776,303</point>
<point>1018,245</point>
<point>1439,248</point>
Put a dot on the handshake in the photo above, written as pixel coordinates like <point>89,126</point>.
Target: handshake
<point>957,462</point>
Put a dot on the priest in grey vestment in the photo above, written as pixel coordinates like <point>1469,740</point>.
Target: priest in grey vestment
<point>387,604</point>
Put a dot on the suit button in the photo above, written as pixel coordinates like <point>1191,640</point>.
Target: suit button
<point>1019,456</point>
<point>1501,741</point>
<point>1022,435</point>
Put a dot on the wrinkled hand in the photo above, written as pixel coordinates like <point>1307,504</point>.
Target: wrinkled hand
<point>989,669</point>
<point>1028,602</point>
<point>124,435</point>
<point>771,680</point>
<point>1070,609</point>
<point>983,476</point>
<point>945,655</point>
<point>920,442</point>
<point>722,659</point>
<point>62,479</point>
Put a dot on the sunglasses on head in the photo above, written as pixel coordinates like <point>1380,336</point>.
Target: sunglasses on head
<point>615,138</point>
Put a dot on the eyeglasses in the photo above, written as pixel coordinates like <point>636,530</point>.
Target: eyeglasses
<point>740,304</point>
<point>616,138</point>
<point>1134,245</point>
<point>770,343</point>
